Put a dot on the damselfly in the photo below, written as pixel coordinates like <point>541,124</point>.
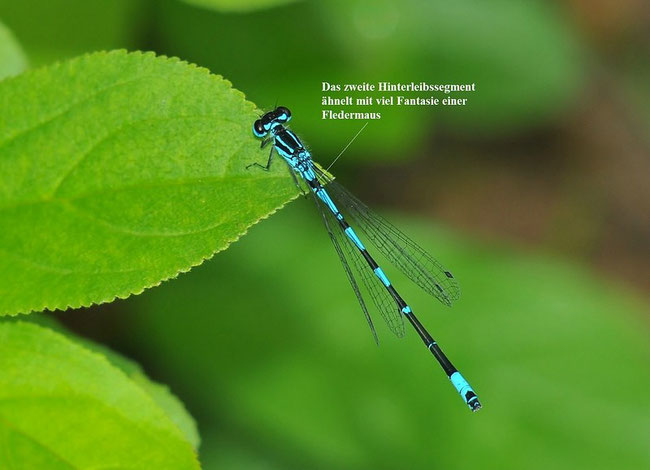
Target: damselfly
<point>405,254</point>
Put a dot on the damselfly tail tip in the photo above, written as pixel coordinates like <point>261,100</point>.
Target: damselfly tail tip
<point>474,405</point>
<point>469,396</point>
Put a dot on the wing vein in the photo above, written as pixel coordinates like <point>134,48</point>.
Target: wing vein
<point>382,300</point>
<point>400,250</point>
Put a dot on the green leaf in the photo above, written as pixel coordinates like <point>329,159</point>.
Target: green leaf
<point>12,58</point>
<point>64,407</point>
<point>558,356</point>
<point>239,6</point>
<point>160,393</point>
<point>171,405</point>
<point>118,171</point>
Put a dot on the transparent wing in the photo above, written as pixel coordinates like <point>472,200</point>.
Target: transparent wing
<point>400,250</point>
<point>346,266</point>
<point>382,300</point>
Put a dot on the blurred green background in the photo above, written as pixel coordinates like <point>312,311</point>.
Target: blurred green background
<point>535,195</point>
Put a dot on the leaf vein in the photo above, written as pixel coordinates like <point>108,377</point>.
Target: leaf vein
<point>59,270</point>
<point>130,231</point>
<point>116,132</point>
<point>13,428</point>
<point>62,112</point>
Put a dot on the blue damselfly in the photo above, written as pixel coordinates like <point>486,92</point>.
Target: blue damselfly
<point>400,250</point>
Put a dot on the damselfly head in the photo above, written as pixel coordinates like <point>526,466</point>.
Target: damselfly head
<point>271,121</point>
<point>259,129</point>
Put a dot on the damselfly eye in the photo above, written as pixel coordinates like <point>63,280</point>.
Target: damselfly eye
<point>282,114</point>
<point>258,129</point>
